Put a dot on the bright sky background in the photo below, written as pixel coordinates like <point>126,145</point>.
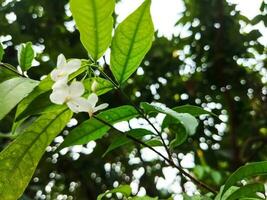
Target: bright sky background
<point>166,12</point>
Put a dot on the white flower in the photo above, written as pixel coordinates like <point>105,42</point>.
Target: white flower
<point>64,68</point>
<point>71,95</point>
<point>90,105</point>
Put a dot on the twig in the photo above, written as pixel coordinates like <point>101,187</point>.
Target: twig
<point>201,184</point>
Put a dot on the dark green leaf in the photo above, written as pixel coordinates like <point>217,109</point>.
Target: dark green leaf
<point>131,42</point>
<point>121,140</point>
<point>94,21</point>
<point>180,135</point>
<point>13,91</point>
<point>41,104</point>
<point>251,169</point>
<point>93,129</point>
<point>19,160</point>
<point>25,56</point>
<point>2,52</point>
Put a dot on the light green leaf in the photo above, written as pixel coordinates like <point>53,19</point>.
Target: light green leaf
<point>121,140</point>
<point>123,189</point>
<point>131,42</point>
<point>25,56</point>
<point>93,129</point>
<point>251,169</point>
<point>13,91</point>
<point>246,191</point>
<point>19,160</point>
<point>101,86</point>
<point>94,21</point>
<point>2,52</point>
<point>154,143</point>
<point>188,121</point>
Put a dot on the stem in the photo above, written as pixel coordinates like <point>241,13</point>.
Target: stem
<point>140,111</point>
<point>10,136</point>
<point>201,184</point>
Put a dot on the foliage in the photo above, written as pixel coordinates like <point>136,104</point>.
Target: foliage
<point>228,92</point>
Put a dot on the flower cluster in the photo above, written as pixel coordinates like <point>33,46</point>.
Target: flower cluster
<point>63,93</point>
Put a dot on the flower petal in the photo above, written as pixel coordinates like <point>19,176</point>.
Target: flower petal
<point>101,107</point>
<point>60,83</point>
<point>61,61</point>
<point>78,104</point>
<point>76,89</point>
<point>92,99</point>
<point>72,66</point>
<point>59,96</point>
<point>55,74</point>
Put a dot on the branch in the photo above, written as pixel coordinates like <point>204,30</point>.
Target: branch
<point>171,163</point>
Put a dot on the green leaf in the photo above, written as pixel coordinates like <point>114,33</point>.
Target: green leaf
<point>40,105</point>
<point>251,169</point>
<point>2,52</point>
<point>6,74</point>
<point>19,160</point>
<point>25,56</point>
<point>95,23</point>
<point>188,121</point>
<point>180,135</point>
<point>131,42</point>
<point>93,129</point>
<point>145,198</point>
<point>154,143</point>
<point>13,91</point>
<point>193,110</point>
<point>123,189</point>
<point>246,191</point>
<point>101,86</point>
<point>195,197</point>
<point>121,140</point>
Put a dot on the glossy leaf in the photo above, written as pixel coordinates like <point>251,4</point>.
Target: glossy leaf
<point>123,189</point>
<point>93,129</point>
<point>94,21</point>
<point>131,42</point>
<point>25,56</point>
<point>19,160</point>
<point>188,121</point>
<point>121,140</point>
<point>246,191</point>
<point>251,169</point>
<point>2,52</point>
<point>13,91</point>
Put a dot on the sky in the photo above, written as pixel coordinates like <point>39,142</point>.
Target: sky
<point>166,12</point>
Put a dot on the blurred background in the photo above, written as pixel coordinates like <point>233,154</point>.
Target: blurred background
<point>209,53</point>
